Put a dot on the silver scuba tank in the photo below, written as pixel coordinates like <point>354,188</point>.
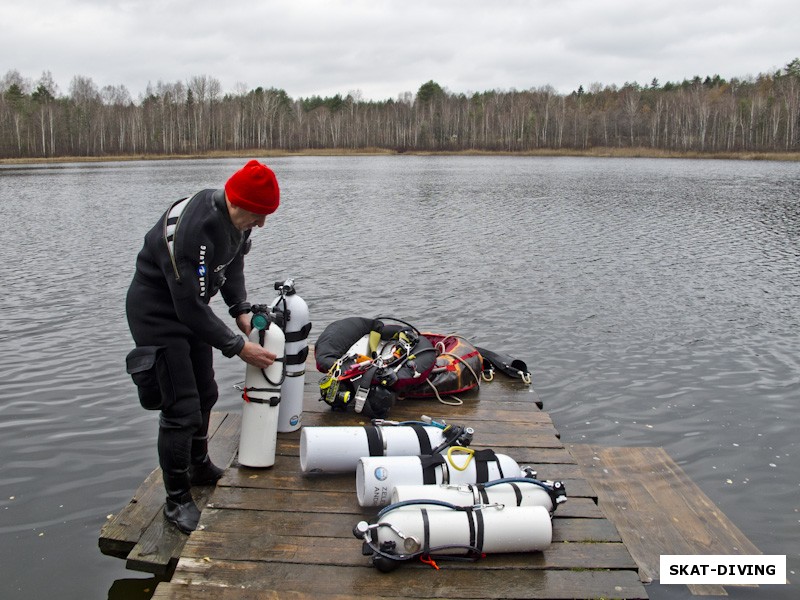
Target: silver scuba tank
<point>297,324</point>
<point>423,528</point>
<point>377,476</point>
<point>262,396</point>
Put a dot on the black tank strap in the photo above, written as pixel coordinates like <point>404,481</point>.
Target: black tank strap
<point>426,532</point>
<point>480,528</point>
<point>482,459</point>
<point>297,359</point>
<point>422,436</point>
<point>374,440</point>
<point>429,464</point>
<point>471,522</point>
<point>517,493</point>
<point>299,335</point>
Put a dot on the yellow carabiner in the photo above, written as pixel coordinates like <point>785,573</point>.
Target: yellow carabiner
<point>468,451</point>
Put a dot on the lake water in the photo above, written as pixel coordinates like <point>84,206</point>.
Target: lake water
<point>656,302</point>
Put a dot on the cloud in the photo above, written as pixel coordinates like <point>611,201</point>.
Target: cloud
<point>383,49</point>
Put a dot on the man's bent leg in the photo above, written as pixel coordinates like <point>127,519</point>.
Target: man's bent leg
<point>180,418</point>
<point>202,470</point>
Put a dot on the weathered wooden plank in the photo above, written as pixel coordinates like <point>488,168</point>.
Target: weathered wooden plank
<point>153,545</point>
<point>181,591</point>
<point>568,529</point>
<point>224,438</point>
<point>475,412</point>
<point>285,500</point>
<point>158,549</point>
<point>489,421</point>
<point>307,524</point>
<point>120,533</point>
<point>657,508</point>
<point>285,475</point>
<point>256,545</point>
<point>342,501</point>
<point>584,508</point>
<point>298,523</point>
<point>366,582</point>
<point>557,471</point>
<point>526,455</point>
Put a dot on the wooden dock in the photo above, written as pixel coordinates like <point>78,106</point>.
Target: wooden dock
<point>657,509</point>
<point>277,533</point>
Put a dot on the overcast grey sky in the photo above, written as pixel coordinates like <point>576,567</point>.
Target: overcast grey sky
<point>385,48</point>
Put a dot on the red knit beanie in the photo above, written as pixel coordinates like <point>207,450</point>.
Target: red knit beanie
<point>254,188</point>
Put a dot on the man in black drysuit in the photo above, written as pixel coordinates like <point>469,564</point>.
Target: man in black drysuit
<point>196,249</point>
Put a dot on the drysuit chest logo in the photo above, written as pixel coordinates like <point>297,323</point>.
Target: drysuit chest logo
<point>201,271</point>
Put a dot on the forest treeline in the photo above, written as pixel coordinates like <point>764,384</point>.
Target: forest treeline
<point>756,114</point>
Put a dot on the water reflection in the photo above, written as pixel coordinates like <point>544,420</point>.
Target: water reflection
<point>656,302</point>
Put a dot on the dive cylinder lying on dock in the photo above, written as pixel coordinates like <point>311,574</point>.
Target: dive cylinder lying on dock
<point>337,449</point>
<point>297,325</point>
<point>516,491</point>
<point>428,529</point>
<point>262,396</point>
<point>377,476</point>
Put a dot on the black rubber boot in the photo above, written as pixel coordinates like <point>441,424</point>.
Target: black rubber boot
<point>202,471</point>
<point>182,512</point>
<point>174,446</point>
<point>206,473</point>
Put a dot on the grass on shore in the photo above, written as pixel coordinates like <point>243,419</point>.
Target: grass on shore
<point>260,153</point>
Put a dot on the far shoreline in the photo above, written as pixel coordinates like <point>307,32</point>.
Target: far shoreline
<point>261,153</point>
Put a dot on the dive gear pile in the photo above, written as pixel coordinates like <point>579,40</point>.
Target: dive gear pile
<point>458,368</point>
<point>368,364</point>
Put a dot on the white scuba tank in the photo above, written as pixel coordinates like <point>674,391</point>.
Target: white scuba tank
<point>489,529</point>
<point>262,398</point>
<point>518,493</point>
<point>337,449</point>
<point>377,476</point>
<point>296,328</point>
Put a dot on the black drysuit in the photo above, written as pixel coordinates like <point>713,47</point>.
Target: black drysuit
<point>191,253</point>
